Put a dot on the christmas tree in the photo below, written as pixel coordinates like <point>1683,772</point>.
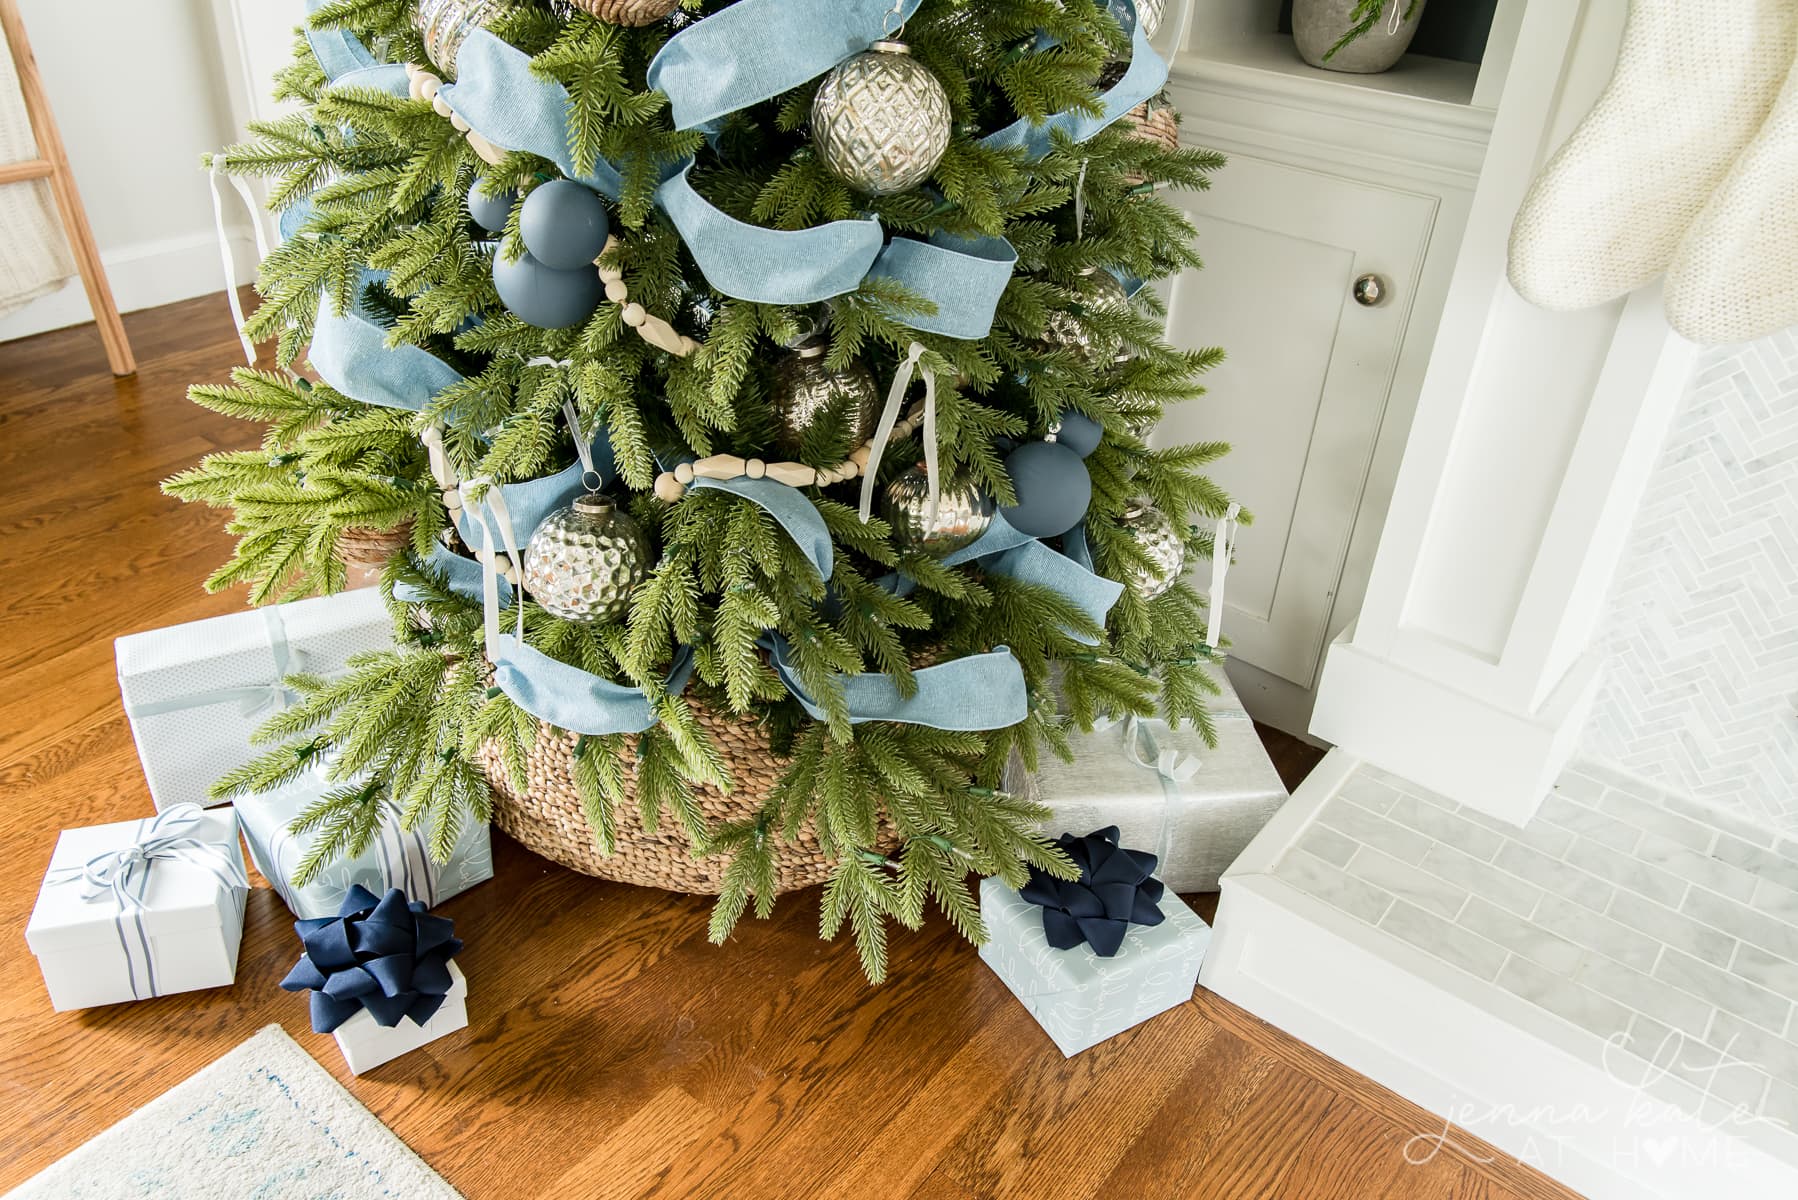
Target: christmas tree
<point>749,400</point>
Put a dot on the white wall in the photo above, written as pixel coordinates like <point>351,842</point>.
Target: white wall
<point>139,91</point>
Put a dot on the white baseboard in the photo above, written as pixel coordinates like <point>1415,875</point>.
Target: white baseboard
<point>143,275</point>
<point>1508,1072</point>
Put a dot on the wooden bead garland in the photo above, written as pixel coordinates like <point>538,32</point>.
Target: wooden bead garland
<point>672,485</point>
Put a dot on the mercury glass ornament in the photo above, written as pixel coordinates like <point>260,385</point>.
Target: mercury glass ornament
<point>807,393</point>
<point>963,514</point>
<point>629,12</point>
<point>446,24</point>
<point>881,120</point>
<point>1149,14</point>
<point>1162,543</point>
<point>585,560</point>
<point>1065,331</point>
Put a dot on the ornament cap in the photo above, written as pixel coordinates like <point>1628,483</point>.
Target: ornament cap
<point>816,348</point>
<point>594,505</point>
<point>889,46</point>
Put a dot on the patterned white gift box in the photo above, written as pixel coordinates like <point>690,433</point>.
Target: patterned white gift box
<point>196,692</point>
<point>140,908</point>
<point>1193,807</point>
<point>396,858</point>
<point>1079,998</point>
<point>367,1044</point>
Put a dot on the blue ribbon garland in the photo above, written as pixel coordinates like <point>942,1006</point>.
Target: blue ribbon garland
<point>977,692</point>
<point>1147,75</point>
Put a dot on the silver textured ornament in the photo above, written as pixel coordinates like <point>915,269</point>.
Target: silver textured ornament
<point>585,560</point>
<point>445,24</point>
<point>807,392</point>
<point>1157,538</point>
<point>963,514</point>
<point>881,121</point>
<point>1066,331</point>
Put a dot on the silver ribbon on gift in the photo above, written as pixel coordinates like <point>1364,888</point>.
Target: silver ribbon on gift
<point>124,875</point>
<point>1172,767</point>
<point>251,699</point>
<point>404,860</point>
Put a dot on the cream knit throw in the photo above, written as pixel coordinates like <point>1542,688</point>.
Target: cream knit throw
<point>34,255</point>
<point>1693,83</point>
<point>1735,277</point>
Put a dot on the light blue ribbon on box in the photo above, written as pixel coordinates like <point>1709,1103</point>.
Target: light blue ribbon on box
<point>499,97</point>
<point>757,49</point>
<point>164,838</point>
<point>978,692</point>
<point>1146,76</point>
<point>250,699</point>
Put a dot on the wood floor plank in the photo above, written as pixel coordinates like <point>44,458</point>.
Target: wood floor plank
<point>611,1050</point>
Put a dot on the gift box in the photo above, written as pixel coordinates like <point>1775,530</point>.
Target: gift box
<point>1169,793</point>
<point>396,858</point>
<point>366,1044</point>
<point>140,908</point>
<point>196,692</point>
<point>1078,996</point>
<point>380,976</point>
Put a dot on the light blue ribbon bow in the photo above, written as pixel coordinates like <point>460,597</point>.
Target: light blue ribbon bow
<point>124,874</point>
<point>251,699</point>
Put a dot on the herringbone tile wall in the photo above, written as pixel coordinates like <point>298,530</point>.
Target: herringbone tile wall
<point>1701,639</point>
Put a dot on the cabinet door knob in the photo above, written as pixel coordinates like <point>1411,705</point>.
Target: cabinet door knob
<point>1370,289</point>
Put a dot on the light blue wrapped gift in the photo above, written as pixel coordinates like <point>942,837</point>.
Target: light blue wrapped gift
<point>396,858</point>
<point>1079,998</point>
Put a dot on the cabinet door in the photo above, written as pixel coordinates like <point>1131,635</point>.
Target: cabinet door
<point>1306,381</point>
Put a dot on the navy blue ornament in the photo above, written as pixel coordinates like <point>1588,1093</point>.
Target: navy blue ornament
<point>545,297</point>
<point>1079,433</point>
<point>491,212</point>
<point>1054,489</point>
<point>564,225</point>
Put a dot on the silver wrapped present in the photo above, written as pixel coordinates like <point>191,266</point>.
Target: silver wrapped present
<point>1079,998</point>
<point>196,692</point>
<point>1169,793</point>
<point>397,858</point>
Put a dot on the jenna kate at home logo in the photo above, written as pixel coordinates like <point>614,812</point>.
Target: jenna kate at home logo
<point>1701,1122</point>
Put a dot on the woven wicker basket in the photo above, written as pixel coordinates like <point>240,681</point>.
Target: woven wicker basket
<point>364,551</point>
<point>1154,120</point>
<point>629,12</point>
<point>548,819</point>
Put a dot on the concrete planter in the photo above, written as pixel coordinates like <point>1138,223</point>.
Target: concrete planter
<point>1318,24</point>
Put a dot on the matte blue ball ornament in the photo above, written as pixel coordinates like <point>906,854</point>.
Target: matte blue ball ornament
<point>564,225</point>
<point>1079,433</point>
<point>491,212</point>
<point>1053,487</point>
<point>545,297</point>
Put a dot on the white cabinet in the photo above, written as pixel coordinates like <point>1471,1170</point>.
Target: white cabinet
<point>1331,178</point>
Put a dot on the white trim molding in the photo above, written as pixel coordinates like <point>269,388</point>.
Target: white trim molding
<point>1469,670</point>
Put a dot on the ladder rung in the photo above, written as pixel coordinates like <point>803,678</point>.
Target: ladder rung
<point>19,172</point>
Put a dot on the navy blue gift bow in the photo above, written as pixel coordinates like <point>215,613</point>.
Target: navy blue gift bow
<point>124,874</point>
<point>1116,889</point>
<point>383,955</point>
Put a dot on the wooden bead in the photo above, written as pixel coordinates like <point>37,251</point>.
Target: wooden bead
<point>669,488</point>
<point>415,87</point>
<point>444,110</point>
<point>792,474</point>
<point>860,457</point>
<point>684,472</point>
<point>490,154</point>
<point>720,466</point>
<point>635,315</point>
<point>429,86</point>
<point>688,347</point>
<point>616,292</point>
<point>755,468</point>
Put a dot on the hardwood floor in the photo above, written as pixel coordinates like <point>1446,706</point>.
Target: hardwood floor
<point>611,1051</point>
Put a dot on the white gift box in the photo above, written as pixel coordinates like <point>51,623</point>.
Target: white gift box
<point>1193,807</point>
<point>1079,998</point>
<point>177,929</point>
<point>196,692</point>
<point>366,1045</point>
<point>397,858</point>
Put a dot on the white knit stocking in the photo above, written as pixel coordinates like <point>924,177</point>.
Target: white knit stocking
<point>1694,82</point>
<point>1736,275</point>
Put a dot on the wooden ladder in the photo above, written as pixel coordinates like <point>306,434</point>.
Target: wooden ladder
<point>52,163</point>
